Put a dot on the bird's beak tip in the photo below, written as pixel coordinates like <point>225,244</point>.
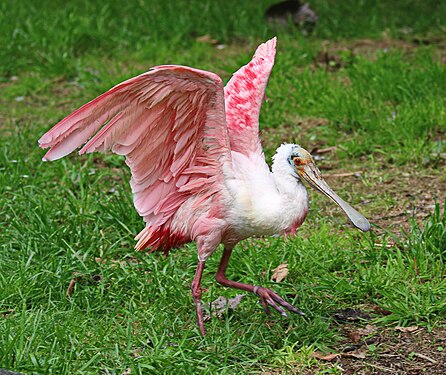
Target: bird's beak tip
<point>363,225</point>
<point>312,175</point>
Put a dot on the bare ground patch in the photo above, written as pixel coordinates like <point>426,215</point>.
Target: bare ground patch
<point>372,350</point>
<point>333,55</point>
<point>393,196</point>
<point>399,351</point>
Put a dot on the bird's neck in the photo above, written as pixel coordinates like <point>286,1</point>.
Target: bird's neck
<point>293,194</point>
<point>286,182</point>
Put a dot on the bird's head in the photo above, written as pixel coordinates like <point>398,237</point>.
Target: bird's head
<point>303,167</point>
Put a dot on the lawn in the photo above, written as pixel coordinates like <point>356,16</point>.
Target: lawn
<point>365,92</point>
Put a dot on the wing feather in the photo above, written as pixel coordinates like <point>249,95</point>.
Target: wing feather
<point>243,98</point>
<point>169,123</point>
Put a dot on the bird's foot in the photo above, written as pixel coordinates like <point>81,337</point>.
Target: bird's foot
<point>268,297</point>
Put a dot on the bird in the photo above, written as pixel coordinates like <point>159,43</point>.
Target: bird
<point>300,14</point>
<point>198,170</point>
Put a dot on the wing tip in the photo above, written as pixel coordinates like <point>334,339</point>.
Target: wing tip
<point>267,49</point>
<point>44,140</point>
<point>49,157</point>
<point>43,145</point>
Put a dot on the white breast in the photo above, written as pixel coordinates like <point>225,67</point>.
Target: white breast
<point>257,204</point>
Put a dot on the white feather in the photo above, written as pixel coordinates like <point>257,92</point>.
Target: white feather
<point>263,201</point>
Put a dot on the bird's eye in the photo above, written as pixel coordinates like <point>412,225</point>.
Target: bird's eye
<point>297,162</point>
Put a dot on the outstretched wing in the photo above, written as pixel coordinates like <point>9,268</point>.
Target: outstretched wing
<point>170,125</point>
<point>243,98</point>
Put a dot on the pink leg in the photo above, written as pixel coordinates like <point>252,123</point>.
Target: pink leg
<point>196,294</point>
<point>267,296</point>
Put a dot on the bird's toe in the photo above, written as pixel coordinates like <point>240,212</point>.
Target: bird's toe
<point>269,298</point>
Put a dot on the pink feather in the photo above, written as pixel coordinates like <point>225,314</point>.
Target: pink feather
<point>243,98</point>
<point>163,121</point>
<point>176,126</point>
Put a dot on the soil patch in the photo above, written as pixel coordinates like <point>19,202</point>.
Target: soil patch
<point>392,197</point>
<point>399,351</point>
<point>334,55</point>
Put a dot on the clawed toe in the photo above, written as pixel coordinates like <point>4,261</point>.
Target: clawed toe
<point>269,298</point>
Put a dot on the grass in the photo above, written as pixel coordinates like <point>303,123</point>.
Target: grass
<point>53,37</point>
<point>74,218</point>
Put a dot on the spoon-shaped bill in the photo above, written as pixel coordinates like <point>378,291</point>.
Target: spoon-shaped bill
<point>312,175</point>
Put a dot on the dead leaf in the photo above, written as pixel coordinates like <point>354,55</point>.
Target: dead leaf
<point>70,288</point>
<point>380,310</point>
<point>280,273</point>
<point>100,260</point>
<point>354,336</point>
<point>73,281</point>
<point>218,307</point>
<point>207,39</point>
<point>127,371</point>
<point>407,329</point>
<point>325,357</point>
<point>357,355</point>
<point>367,330</point>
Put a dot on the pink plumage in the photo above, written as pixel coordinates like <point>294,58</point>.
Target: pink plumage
<point>243,98</point>
<point>198,170</point>
<point>170,125</point>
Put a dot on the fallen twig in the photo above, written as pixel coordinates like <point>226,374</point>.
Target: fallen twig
<point>347,174</point>
<point>390,216</point>
<point>422,356</point>
<point>325,150</point>
<point>381,368</point>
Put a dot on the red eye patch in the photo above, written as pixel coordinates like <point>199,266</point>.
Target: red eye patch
<point>297,161</point>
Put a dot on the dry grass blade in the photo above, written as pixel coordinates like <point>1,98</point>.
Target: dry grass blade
<point>422,356</point>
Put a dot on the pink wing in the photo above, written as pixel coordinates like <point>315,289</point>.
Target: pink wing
<point>243,98</point>
<point>170,125</point>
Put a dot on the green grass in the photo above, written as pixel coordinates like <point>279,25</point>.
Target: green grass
<point>382,110</point>
<point>54,36</point>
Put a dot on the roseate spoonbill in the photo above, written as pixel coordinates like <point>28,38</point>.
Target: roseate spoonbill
<point>198,169</point>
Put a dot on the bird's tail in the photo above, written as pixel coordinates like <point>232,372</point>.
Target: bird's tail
<point>159,238</point>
